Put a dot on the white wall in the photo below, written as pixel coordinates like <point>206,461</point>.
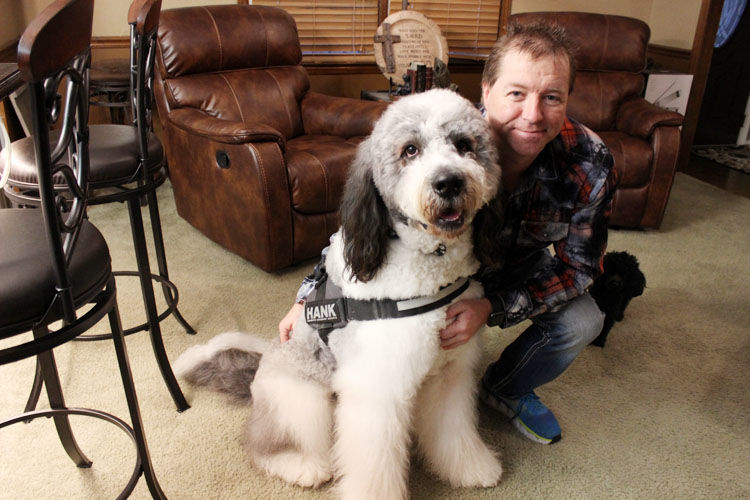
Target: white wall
<point>13,22</point>
<point>111,16</point>
<point>672,23</point>
<point>16,15</point>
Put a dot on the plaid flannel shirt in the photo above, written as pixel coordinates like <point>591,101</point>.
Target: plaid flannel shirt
<point>564,199</point>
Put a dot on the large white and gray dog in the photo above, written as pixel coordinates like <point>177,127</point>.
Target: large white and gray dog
<point>417,189</point>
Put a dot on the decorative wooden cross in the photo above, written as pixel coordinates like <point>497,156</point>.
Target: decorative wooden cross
<point>388,39</point>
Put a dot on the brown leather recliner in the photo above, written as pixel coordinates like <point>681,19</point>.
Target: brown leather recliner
<point>257,161</point>
<point>643,138</point>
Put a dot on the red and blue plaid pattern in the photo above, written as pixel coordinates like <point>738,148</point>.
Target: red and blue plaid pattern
<point>564,200</point>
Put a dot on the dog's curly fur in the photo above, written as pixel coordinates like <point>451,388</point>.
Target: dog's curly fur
<point>418,183</point>
<point>621,281</point>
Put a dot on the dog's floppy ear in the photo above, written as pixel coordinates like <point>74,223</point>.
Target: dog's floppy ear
<point>364,219</point>
<point>487,223</point>
<point>638,284</point>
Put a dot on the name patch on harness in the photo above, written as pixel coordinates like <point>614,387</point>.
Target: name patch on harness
<point>328,314</point>
<point>324,311</point>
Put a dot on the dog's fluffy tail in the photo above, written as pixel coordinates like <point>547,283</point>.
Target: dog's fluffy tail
<point>227,363</point>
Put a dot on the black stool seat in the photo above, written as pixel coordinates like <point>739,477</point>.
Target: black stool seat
<point>27,286</point>
<point>113,150</point>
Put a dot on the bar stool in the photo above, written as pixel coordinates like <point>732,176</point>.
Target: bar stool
<point>109,87</point>
<point>127,165</point>
<point>57,278</point>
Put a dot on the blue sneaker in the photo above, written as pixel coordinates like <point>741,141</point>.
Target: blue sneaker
<point>528,414</point>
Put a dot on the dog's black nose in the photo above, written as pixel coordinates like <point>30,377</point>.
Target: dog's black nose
<point>448,185</point>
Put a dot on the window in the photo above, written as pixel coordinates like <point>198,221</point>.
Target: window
<point>346,27</point>
<point>332,27</point>
<point>470,27</point>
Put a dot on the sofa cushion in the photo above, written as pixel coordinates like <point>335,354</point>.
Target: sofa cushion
<point>317,166</point>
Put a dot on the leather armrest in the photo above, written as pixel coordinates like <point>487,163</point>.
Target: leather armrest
<point>200,123</point>
<point>637,116</point>
<point>339,116</point>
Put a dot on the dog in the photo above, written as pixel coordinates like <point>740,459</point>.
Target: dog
<point>621,281</point>
<point>418,191</point>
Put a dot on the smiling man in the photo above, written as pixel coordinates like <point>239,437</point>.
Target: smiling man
<point>558,180</point>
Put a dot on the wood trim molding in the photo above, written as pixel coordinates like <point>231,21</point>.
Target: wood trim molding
<point>505,10</point>
<point>674,52</point>
<point>700,63</point>
<point>672,58</point>
<point>341,68</point>
<point>382,11</point>
<point>110,42</point>
<point>459,66</point>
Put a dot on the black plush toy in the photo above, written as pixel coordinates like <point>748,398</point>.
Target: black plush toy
<point>622,280</point>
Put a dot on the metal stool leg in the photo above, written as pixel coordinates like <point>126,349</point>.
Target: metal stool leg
<point>132,398</point>
<point>161,258</point>
<point>46,361</point>
<point>36,389</point>
<point>147,289</point>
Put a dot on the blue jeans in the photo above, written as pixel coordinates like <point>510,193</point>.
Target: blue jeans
<point>546,348</point>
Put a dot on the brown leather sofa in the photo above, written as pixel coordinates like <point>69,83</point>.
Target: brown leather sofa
<point>643,138</point>
<point>257,161</point>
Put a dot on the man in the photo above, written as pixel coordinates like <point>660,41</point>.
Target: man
<point>558,181</point>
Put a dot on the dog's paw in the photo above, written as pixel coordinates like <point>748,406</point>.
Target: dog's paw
<point>480,469</point>
<point>297,469</point>
<point>489,473</point>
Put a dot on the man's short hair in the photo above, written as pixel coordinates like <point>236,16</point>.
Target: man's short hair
<point>536,39</point>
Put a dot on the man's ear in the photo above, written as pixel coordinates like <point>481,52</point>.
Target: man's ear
<point>485,91</point>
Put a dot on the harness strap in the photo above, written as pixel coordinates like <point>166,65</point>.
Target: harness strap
<point>328,310</point>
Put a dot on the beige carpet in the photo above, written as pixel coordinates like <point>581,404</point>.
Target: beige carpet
<point>661,412</point>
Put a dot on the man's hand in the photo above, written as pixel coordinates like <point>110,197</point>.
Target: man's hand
<point>465,318</point>
<point>288,321</point>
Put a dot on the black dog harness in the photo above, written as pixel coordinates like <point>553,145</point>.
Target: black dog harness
<point>327,309</point>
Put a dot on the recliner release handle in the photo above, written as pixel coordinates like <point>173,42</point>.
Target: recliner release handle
<point>222,159</point>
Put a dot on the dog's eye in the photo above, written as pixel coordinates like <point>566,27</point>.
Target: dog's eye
<point>409,151</point>
<point>464,146</point>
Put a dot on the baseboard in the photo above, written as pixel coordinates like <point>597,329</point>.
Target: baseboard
<point>672,58</point>
<point>110,42</point>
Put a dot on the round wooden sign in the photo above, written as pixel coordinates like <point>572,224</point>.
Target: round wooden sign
<point>407,37</point>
